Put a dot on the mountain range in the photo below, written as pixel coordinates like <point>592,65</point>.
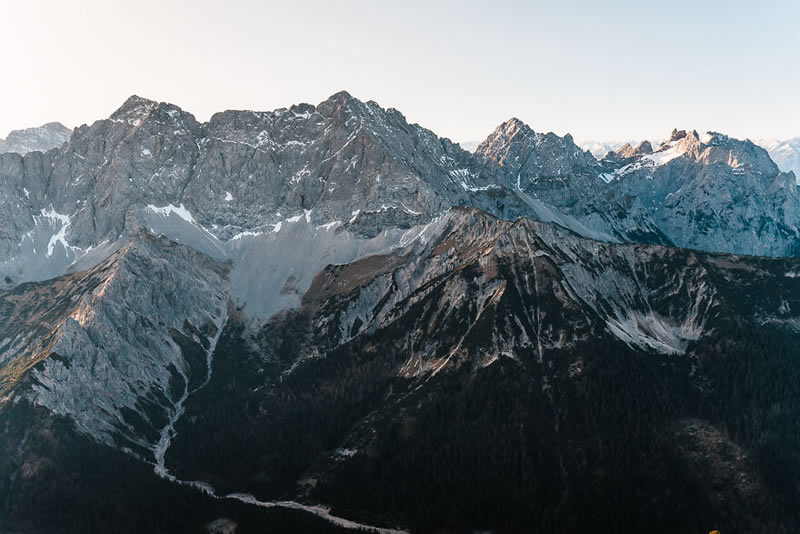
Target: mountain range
<point>326,318</point>
<point>39,139</point>
<point>786,153</point>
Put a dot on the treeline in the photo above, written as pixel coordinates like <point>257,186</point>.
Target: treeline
<point>637,441</point>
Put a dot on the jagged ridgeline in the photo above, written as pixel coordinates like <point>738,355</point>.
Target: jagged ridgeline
<point>325,318</point>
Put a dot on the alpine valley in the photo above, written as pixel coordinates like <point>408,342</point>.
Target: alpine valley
<point>326,319</point>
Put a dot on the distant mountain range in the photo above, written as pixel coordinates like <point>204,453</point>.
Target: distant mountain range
<point>601,148</point>
<point>786,154</point>
<point>323,318</point>
<point>41,139</point>
<point>469,146</point>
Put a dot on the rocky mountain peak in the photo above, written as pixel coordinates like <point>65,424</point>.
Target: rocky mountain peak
<point>341,97</point>
<point>514,124</point>
<point>341,105</point>
<point>528,156</point>
<point>625,151</point>
<point>677,135</point>
<point>512,128</point>
<point>709,148</point>
<point>37,139</point>
<point>134,109</point>
<point>644,148</point>
<point>505,137</point>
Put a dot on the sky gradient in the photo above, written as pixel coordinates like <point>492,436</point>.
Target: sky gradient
<point>599,70</point>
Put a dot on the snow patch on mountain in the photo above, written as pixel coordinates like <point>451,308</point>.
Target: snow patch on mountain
<point>666,153</point>
<point>180,211</point>
<point>61,236</point>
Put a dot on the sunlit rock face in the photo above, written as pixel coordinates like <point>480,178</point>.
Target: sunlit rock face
<point>116,347</point>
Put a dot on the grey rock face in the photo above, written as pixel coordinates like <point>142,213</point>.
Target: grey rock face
<point>117,347</point>
<point>551,166</point>
<point>600,278</point>
<point>708,192</point>
<point>39,139</point>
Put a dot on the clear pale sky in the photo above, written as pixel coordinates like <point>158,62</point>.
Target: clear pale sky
<point>601,70</point>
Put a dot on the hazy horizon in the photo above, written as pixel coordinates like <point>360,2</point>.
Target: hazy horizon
<point>616,71</point>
